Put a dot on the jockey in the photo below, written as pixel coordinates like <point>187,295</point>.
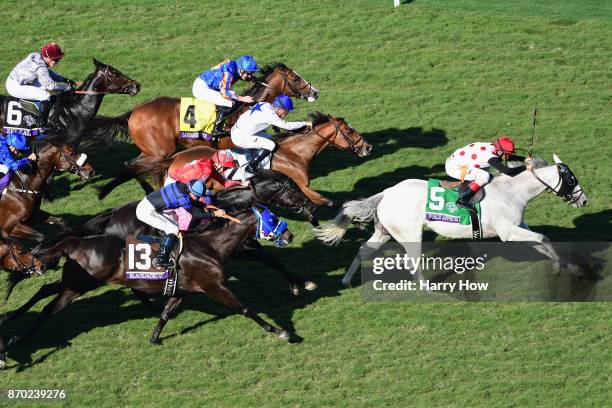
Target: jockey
<point>175,195</point>
<point>206,169</point>
<point>33,79</point>
<point>470,162</point>
<point>215,85</point>
<point>248,130</point>
<point>10,146</point>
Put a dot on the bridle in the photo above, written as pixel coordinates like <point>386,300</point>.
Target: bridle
<point>565,186</point>
<point>23,268</point>
<point>123,87</point>
<point>352,144</point>
<point>297,91</point>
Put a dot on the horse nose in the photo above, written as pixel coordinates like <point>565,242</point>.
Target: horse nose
<point>367,149</point>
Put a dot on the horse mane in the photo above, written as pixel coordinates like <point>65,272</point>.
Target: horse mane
<point>265,71</point>
<point>317,118</point>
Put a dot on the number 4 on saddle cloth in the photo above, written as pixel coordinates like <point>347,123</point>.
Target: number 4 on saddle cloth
<point>196,119</point>
<point>441,205</point>
<point>20,116</point>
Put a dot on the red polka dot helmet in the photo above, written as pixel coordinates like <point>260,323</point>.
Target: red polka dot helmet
<point>504,145</point>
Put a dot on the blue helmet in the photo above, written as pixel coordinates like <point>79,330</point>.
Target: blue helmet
<point>17,140</point>
<point>197,187</point>
<point>247,63</point>
<point>282,101</point>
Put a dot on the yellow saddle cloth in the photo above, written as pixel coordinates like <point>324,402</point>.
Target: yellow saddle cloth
<point>197,115</point>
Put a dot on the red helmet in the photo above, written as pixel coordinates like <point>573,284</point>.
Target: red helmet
<point>51,50</point>
<point>223,159</point>
<point>504,145</point>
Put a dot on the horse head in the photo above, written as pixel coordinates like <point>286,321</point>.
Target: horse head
<point>338,132</point>
<point>110,80</point>
<point>15,258</point>
<point>273,187</point>
<point>70,160</point>
<point>568,186</point>
<point>280,79</point>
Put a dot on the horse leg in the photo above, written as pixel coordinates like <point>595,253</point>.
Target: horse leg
<point>44,292</point>
<point>21,230</point>
<point>542,243</point>
<point>144,299</point>
<point>2,354</point>
<point>315,197</point>
<point>55,306</point>
<point>215,290</point>
<point>171,306</point>
<point>256,253</point>
<point>379,237</point>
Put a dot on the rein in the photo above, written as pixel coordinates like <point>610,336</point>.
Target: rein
<point>352,145</point>
<point>29,268</point>
<point>561,184</point>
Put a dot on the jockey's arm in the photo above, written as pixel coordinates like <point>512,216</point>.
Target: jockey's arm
<point>225,88</point>
<point>15,165</point>
<point>199,213</point>
<point>502,168</point>
<point>45,78</point>
<point>275,120</point>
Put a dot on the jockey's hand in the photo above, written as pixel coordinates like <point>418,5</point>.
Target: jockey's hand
<point>33,157</point>
<point>246,99</point>
<point>245,183</point>
<point>72,84</point>
<point>219,212</point>
<point>309,123</point>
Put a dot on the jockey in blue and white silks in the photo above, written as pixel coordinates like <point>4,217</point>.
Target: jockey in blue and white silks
<point>150,211</point>
<point>216,84</point>
<point>33,79</point>
<point>9,147</point>
<point>248,132</point>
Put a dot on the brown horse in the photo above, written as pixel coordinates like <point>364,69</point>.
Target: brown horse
<point>22,200</point>
<point>154,125</point>
<point>95,260</point>
<point>292,157</point>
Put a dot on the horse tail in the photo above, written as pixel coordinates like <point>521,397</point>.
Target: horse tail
<point>156,169</point>
<point>356,211</point>
<point>105,129</point>
<point>97,225</point>
<point>51,256</point>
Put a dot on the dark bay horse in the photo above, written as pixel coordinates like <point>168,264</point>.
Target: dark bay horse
<point>95,260</point>
<point>292,157</point>
<point>267,187</point>
<point>22,200</point>
<point>78,109</point>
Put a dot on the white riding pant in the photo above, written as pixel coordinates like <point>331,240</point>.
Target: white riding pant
<point>200,90</point>
<point>146,213</point>
<point>256,141</point>
<point>15,89</point>
<point>480,176</point>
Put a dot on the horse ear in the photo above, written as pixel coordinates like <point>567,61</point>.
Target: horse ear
<point>97,63</point>
<point>557,159</point>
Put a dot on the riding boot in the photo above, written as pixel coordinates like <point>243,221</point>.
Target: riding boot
<point>253,165</point>
<point>465,196</point>
<point>166,244</point>
<point>222,113</point>
<point>47,128</point>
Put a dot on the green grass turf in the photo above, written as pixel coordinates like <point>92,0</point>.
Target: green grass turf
<point>418,81</point>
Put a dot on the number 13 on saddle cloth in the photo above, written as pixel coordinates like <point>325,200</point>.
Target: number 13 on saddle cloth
<point>197,116</point>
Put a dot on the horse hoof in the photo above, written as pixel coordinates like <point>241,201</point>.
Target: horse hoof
<point>2,361</point>
<point>310,286</point>
<point>13,341</point>
<point>331,204</point>
<point>5,318</point>
<point>155,340</point>
<point>283,335</point>
<point>295,290</point>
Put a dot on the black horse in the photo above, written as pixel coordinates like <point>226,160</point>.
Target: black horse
<point>95,260</point>
<point>266,187</point>
<point>74,111</point>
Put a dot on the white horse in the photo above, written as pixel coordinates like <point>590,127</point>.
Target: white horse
<point>399,212</point>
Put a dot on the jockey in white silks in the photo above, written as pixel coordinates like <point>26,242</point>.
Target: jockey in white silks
<point>248,132</point>
<point>470,163</point>
<point>33,79</point>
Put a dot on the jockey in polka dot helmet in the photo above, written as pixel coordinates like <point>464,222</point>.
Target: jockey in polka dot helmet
<point>472,161</point>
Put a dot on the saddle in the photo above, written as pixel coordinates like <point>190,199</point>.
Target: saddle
<point>21,116</point>
<point>140,250</point>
